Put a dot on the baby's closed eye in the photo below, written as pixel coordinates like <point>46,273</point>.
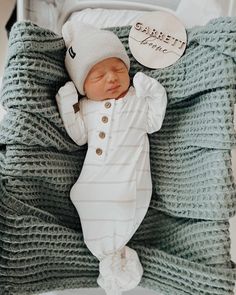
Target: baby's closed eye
<point>97,77</point>
<point>120,69</point>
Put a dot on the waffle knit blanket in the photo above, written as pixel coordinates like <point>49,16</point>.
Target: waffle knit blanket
<point>183,243</point>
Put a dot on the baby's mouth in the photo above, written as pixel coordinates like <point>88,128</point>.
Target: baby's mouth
<point>113,88</point>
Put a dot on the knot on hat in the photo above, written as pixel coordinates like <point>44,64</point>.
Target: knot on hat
<point>120,271</point>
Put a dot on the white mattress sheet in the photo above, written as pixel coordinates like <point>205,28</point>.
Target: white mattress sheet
<point>190,12</point>
<point>52,14</point>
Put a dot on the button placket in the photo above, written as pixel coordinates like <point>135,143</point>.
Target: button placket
<point>103,129</point>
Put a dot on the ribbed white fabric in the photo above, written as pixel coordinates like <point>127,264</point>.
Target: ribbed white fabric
<point>113,191</point>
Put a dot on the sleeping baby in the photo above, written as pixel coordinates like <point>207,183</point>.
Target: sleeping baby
<point>114,188</point>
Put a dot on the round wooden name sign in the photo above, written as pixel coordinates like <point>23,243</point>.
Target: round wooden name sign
<point>157,39</point>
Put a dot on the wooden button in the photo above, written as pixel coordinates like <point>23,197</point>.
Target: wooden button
<point>107,104</point>
<point>102,134</point>
<point>99,151</point>
<point>104,119</point>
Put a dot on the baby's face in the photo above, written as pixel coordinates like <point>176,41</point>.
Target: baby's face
<point>107,79</point>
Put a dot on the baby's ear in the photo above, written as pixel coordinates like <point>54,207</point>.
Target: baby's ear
<point>67,33</point>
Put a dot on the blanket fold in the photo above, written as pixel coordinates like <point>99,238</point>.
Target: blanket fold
<point>183,242</point>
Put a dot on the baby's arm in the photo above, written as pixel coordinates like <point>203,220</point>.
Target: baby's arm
<point>66,98</point>
<point>155,97</point>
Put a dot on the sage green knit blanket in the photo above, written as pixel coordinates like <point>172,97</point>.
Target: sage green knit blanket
<point>183,242</point>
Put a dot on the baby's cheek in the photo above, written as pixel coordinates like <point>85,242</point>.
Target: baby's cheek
<point>127,82</point>
<point>101,86</point>
<point>98,89</point>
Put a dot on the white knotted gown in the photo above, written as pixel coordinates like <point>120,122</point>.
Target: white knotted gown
<point>113,191</point>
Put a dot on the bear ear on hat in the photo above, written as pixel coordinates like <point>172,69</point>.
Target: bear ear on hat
<point>67,33</point>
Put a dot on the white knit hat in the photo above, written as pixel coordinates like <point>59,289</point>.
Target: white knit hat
<point>86,46</point>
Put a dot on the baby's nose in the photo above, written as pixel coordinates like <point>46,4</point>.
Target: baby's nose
<point>111,77</point>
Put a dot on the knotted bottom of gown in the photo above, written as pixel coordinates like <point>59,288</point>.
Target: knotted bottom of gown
<point>120,271</point>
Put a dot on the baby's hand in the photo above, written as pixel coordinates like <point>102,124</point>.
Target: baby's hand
<point>68,90</point>
<point>67,96</point>
<point>143,84</point>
